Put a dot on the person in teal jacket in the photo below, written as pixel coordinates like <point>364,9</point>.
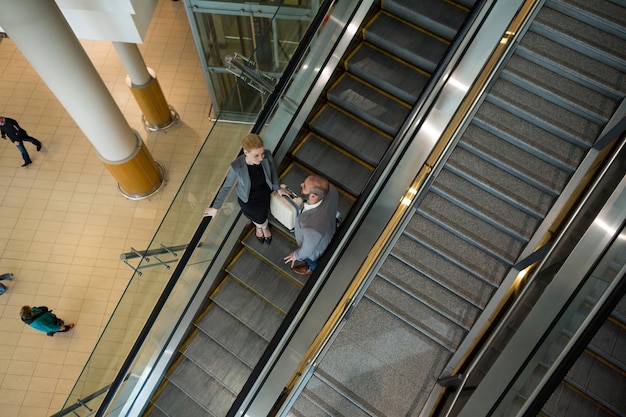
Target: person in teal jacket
<point>42,319</point>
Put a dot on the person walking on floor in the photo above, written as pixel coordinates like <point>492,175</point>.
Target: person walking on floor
<point>17,135</point>
<point>42,319</point>
<point>316,223</point>
<point>256,177</point>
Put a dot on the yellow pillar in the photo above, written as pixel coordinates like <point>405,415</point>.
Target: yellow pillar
<point>139,176</point>
<point>157,114</point>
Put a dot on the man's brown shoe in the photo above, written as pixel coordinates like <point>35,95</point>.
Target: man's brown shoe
<point>302,270</point>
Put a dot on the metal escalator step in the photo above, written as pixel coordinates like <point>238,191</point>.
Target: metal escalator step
<point>387,73</point>
<point>375,107</point>
<point>528,137</point>
<point>320,399</point>
<point>548,116</point>
<point>485,205</point>
<point>471,228</point>
<point>377,354</point>
<point>337,166</point>
<point>154,412</point>
<point>574,96</point>
<point>457,250</point>
<point>295,175</point>
<point>458,280</point>
<point>202,388</point>
<point>572,64</point>
<point>439,17</point>
<point>412,310</point>
<point>211,358</point>
<point>499,182</point>
<point>282,244</point>
<point>249,308</point>
<point>609,343</point>
<point>232,334</point>
<point>514,160</point>
<point>175,403</point>
<point>216,361</point>
<point>409,43</point>
<point>351,134</point>
<point>267,282</point>
<point>430,292</point>
<point>307,407</point>
<point>592,41</point>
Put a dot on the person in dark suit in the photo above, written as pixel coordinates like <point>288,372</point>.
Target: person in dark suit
<point>17,135</point>
<point>316,223</point>
<point>256,177</point>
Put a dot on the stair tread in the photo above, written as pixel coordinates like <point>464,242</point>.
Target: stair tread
<point>462,252</point>
<point>431,292</point>
<point>413,311</point>
<point>471,227</point>
<point>547,115</point>
<point>172,401</point>
<point>518,192</point>
<point>322,400</point>
<point>433,265</point>
<point>523,133</point>
<point>579,95</point>
<point>601,8</point>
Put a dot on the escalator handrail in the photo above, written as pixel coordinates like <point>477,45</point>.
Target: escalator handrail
<point>265,113</point>
<point>369,187</point>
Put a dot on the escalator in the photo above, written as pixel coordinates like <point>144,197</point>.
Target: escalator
<point>367,101</point>
<point>553,98</point>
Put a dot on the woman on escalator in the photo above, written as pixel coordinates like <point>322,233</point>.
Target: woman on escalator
<point>256,177</point>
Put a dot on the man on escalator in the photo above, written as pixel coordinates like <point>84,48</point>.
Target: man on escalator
<point>315,225</point>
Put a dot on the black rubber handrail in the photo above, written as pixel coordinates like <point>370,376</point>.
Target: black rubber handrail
<point>356,207</point>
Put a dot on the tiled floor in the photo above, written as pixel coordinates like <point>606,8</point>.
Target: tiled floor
<point>63,223</point>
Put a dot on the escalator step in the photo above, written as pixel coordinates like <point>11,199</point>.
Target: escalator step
<point>268,283</point>
<point>528,137</point>
<point>608,15</point>
<point>202,388</point>
<point>387,73</point>
<point>250,309</point>
<point>175,403</point>
<point>430,292</point>
<point>439,17</point>
<point>232,334</point>
<point>610,342</point>
<point>154,412</point>
<point>441,270</point>
<point>406,42</point>
<point>514,160</point>
<point>282,244</point>
<point>485,206</point>
<point>213,359</point>
<point>458,250</point>
<point>502,184</point>
<point>373,106</point>
<point>338,167</point>
<point>350,134</point>
<point>296,174</point>
<point>482,234</point>
<point>306,407</point>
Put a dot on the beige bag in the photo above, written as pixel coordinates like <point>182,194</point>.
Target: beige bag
<point>285,209</point>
